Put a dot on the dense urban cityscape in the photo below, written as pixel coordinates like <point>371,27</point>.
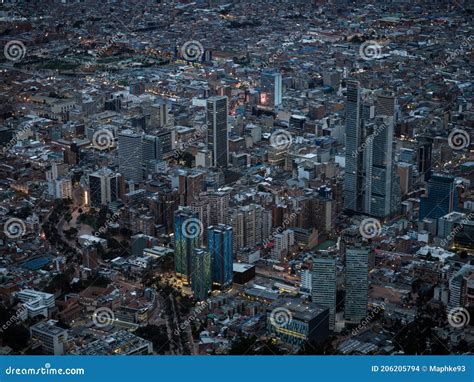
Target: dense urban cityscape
<point>236,177</point>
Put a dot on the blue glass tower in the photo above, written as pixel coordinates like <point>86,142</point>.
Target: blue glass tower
<point>186,231</point>
<point>201,277</point>
<point>220,244</point>
<point>441,198</point>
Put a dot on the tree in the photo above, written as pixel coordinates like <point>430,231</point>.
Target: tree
<point>157,335</point>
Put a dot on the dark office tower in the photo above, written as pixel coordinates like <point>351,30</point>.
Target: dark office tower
<point>186,239</point>
<point>357,284</point>
<point>201,278</point>
<point>271,94</point>
<point>166,137</point>
<point>191,184</point>
<point>441,198</point>
<point>424,158</point>
<point>139,122</point>
<point>159,114</point>
<point>386,105</point>
<point>354,155</point>
<point>220,245</point>
<point>324,283</point>
<point>152,149</point>
<point>114,104</point>
<point>104,187</point>
<point>130,155</point>
<point>137,87</point>
<point>6,135</point>
<point>217,142</point>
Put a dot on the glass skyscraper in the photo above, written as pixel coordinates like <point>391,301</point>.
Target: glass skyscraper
<point>353,170</point>
<point>184,244</point>
<point>324,283</point>
<point>201,275</point>
<point>217,141</point>
<point>441,197</point>
<point>220,245</point>
<point>271,88</point>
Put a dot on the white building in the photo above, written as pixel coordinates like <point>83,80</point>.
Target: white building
<point>282,243</point>
<point>51,337</point>
<point>306,284</point>
<point>37,303</point>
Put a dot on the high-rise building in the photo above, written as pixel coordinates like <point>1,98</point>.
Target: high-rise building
<point>324,283</point>
<point>282,243</point>
<point>249,223</point>
<point>104,187</point>
<point>357,284</point>
<point>201,275</point>
<point>460,288</point>
<point>191,184</point>
<point>220,245</point>
<point>152,149</point>
<point>353,180</point>
<point>271,91</point>
<point>167,138</point>
<point>130,155</point>
<point>203,210</point>
<point>371,182</point>
<point>441,197</point>
<point>405,172</point>
<point>306,281</point>
<point>217,141</point>
<point>159,114</point>
<point>219,200</point>
<point>386,105</point>
<point>186,239</point>
<point>381,180</point>
<point>425,149</point>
